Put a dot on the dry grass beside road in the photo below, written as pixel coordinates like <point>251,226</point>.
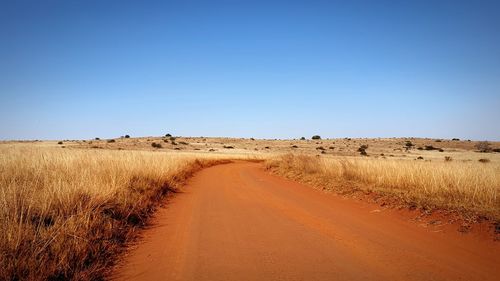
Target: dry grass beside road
<point>65,214</point>
<point>469,187</point>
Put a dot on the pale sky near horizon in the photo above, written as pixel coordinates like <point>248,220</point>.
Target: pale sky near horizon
<point>263,69</point>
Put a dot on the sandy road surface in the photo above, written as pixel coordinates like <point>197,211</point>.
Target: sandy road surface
<point>236,222</point>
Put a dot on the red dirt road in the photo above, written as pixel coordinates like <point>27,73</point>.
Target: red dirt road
<point>237,222</point>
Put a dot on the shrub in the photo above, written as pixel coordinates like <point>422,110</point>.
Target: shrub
<point>430,147</point>
<point>211,149</point>
<point>484,160</point>
<point>228,146</point>
<point>437,140</point>
<point>165,140</point>
<point>127,136</point>
<point>408,144</point>
<point>294,146</point>
<point>320,148</point>
<point>496,150</point>
<point>483,146</point>
<point>302,138</point>
<point>447,158</point>
<point>97,139</point>
<point>252,139</point>
<point>267,147</point>
<point>420,158</point>
<point>362,150</point>
<point>168,135</point>
<point>316,137</point>
<point>441,150</point>
<point>60,142</point>
<point>331,147</point>
<point>420,148</point>
<point>111,140</point>
<point>455,139</point>
<point>156,145</point>
<point>172,138</point>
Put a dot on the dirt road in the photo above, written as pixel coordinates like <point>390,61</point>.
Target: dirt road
<point>237,222</point>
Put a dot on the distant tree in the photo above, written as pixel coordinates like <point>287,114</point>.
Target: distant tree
<point>302,138</point>
<point>127,136</point>
<point>168,135</point>
<point>97,138</point>
<point>316,137</point>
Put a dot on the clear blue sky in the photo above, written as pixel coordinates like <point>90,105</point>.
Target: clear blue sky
<point>267,69</point>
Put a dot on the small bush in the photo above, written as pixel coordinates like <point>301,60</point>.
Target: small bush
<point>168,135</point>
<point>267,147</point>
<point>438,140</point>
<point>156,145</point>
<point>409,144</point>
<point>228,146</point>
<point>430,147</point>
<point>484,160</point>
<point>302,138</point>
<point>448,158</point>
<point>455,139</point>
<point>420,158</point>
<point>496,150</point>
<point>331,147</point>
<point>483,146</point>
<point>97,139</point>
<point>252,139</point>
<point>420,148</point>
<point>316,137</point>
<point>294,146</point>
<point>111,140</point>
<point>320,148</point>
<point>172,138</point>
<point>165,140</point>
<point>362,150</point>
<point>60,142</point>
<point>127,136</point>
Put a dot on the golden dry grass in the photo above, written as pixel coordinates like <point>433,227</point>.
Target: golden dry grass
<point>469,187</point>
<point>65,214</point>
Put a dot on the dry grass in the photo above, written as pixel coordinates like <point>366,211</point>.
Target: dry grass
<point>65,214</point>
<point>469,187</point>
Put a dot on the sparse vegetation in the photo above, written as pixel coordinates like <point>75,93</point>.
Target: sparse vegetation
<point>316,137</point>
<point>59,142</point>
<point>111,141</point>
<point>156,145</point>
<point>127,136</point>
<point>484,160</point>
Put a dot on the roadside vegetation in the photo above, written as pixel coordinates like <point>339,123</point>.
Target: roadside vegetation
<point>472,188</point>
<point>66,213</point>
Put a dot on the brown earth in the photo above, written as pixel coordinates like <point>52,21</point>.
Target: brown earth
<point>237,222</point>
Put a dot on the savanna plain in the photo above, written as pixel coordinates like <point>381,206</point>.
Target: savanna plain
<point>70,209</point>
